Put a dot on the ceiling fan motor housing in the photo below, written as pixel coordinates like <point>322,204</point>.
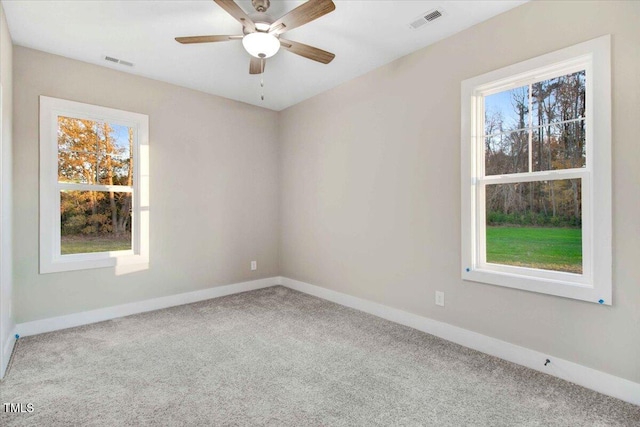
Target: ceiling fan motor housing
<point>260,5</point>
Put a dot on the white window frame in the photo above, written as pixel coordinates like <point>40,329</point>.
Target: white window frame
<point>51,259</point>
<point>595,282</point>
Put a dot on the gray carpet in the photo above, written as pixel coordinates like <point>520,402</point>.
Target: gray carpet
<point>279,357</point>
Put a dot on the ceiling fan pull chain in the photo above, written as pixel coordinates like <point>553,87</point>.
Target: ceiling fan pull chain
<point>262,88</point>
<point>262,79</point>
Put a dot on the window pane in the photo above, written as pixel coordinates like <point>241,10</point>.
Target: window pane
<point>77,166</point>
<point>116,161</point>
<point>560,146</point>
<point>506,111</point>
<point>535,225</point>
<point>77,148</point>
<point>94,221</point>
<point>559,99</point>
<point>92,152</point>
<point>507,153</point>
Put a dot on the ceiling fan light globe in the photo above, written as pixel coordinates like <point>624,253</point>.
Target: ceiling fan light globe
<point>261,45</point>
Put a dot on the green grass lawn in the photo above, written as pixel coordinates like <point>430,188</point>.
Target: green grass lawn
<point>558,249</point>
<point>87,244</point>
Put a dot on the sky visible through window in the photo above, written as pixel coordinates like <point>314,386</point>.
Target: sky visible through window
<point>501,103</point>
<point>121,137</point>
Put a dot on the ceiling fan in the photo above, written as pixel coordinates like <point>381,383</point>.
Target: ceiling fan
<point>261,33</point>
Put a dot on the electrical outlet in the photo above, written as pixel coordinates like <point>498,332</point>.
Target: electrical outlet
<point>440,298</point>
<point>254,265</point>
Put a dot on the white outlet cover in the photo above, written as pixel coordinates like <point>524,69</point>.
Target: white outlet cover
<point>254,265</point>
<point>440,298</point>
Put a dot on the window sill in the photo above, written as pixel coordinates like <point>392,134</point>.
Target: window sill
<point>91,261</point>
<point>566,285</point>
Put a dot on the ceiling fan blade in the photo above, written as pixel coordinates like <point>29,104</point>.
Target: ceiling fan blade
<point>307,51</point>
<point>206,39</point>
<point>307,12</point>
<point>256,66</point>
<point>234,10</point>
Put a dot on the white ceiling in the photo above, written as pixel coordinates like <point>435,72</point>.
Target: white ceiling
<point>363,34</point>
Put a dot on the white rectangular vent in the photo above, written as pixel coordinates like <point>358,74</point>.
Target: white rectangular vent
<point>118,61</point>
<point>433,15</point>
<point>426,18</point>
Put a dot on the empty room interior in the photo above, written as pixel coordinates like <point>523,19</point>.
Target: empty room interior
<point>319,213</point>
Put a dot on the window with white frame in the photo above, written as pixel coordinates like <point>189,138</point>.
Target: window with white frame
<point>94,176</point>
<point>536,174</point>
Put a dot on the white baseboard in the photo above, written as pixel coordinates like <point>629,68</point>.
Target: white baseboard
<point>99,315</point>
<point>590,378</point>
<point>6,352</point>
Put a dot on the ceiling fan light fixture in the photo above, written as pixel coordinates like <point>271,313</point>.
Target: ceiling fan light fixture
<point>261,45</point>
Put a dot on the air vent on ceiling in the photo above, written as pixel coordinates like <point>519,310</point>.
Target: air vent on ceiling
<point>433,15</point>
<point>118,61</point>
<point>426,18</point>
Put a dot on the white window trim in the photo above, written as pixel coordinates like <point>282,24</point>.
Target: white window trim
<point>51,260</point>
<point>595,284</point>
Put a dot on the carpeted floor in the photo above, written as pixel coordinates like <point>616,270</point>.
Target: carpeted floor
<point>279,357</point>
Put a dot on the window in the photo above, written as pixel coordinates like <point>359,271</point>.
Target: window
<point>94,174</point>
<point>536,174</point>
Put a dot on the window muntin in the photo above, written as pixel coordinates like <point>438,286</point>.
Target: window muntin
<point>93,186</point>
<point>93,152</point>
<point>540,126</point>
<point>546,144</point>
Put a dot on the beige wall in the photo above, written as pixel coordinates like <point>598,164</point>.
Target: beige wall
<point>368,202</point>
<point>213,191</point>
<point>6,285</point>
<point>370,187</point>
